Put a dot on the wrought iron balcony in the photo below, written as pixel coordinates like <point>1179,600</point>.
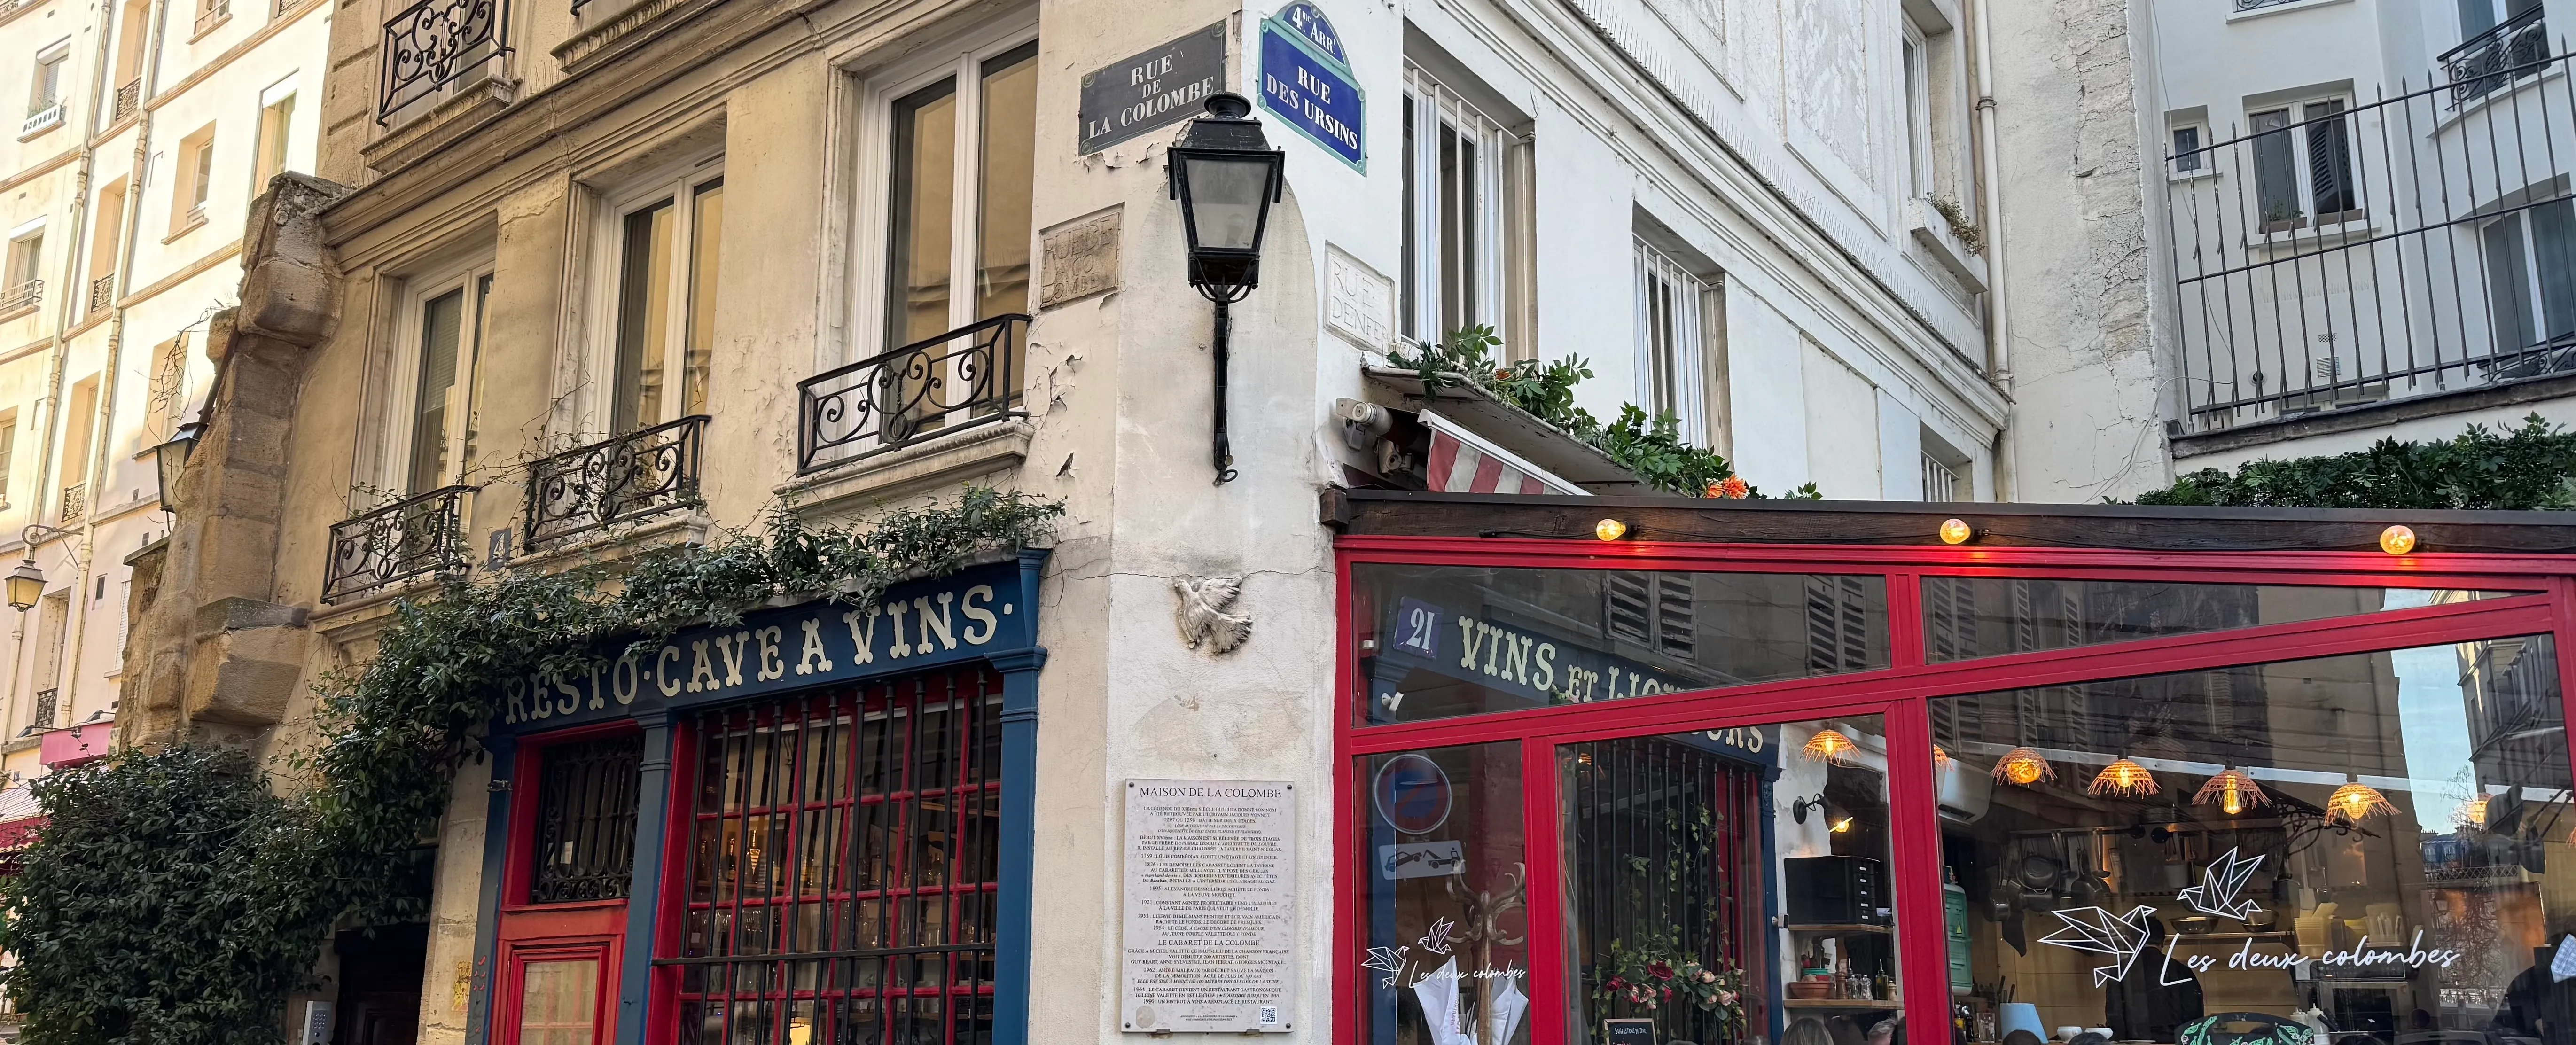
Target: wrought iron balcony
<point>102,292</point>
<point>128,99</point>
<point>213,15</point>
<point>24,295</point>
<point>48,704</point>
<point>433,43</point>
<point>46,112</point>
<point>412,538</point>
<point>965,377</point>
<point>75,502</point>
<point>615,481</point>
<point>2485,63</point>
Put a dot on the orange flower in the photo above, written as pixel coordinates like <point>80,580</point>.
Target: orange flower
<point>1734,488</point>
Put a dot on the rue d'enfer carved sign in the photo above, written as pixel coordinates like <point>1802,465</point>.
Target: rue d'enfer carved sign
<point>1158,88</point>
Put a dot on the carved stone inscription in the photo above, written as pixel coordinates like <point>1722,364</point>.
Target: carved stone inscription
<point>1078,259</point>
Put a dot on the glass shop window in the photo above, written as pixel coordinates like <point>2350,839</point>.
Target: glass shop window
<point>1440,641</point>
<point>1730,886</point>
<point>1969,617</point>
<point>2370,849</point>
<point>1446,898</point>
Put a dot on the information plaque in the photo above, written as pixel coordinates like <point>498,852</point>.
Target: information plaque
<point>1211,901</point>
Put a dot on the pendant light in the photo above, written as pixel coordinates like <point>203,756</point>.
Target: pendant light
<point>2472,814</point>
<point>2023,766</point>
<point>1829,745</point>
<point>2355,800</point>
<point>2124,778</point>
<point>2233,791</point>
<point>1940,757</point>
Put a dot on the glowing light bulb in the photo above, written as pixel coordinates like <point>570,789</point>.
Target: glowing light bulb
<point>1956,531</point>
<point>2232,799</point>
<point>1842,826</point>
<point>1609,529</point>
<point>2397,540</point>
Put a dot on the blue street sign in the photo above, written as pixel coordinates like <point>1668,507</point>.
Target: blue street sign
<point>1305,80</point>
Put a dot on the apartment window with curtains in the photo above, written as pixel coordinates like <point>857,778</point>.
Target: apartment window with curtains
<point>1672,357</point>
<point>958,221</point>
<point>666,241</point>
<point>443,327</point>
<point>1463,202</point>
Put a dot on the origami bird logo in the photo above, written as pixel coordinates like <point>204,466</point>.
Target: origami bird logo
<point>1202,615</point>
<point>2098,931</point>
<point>2222,887</point>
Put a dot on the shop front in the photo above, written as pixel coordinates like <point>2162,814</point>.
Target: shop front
<point>1810,775</point>
<point>812,826</point>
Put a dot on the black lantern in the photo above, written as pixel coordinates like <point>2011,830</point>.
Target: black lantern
<point>172,457</point>
<point>1226,176</point>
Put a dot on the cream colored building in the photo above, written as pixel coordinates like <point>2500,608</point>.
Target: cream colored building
<point>146,129</point>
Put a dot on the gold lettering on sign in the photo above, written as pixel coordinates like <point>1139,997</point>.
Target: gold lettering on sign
<point>770,666</point>
<point>662,671</point>
<point>978,616</point>
<point>811,655</point>
<point>939,625</point>
<point>730,647</point>
<point>702,672</point>
<point>894,613</point>
<point>864,636</point>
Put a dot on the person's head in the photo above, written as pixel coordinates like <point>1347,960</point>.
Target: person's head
<point>1807,1030</point>
<point>2021,1037</point>
<point>1884,1033</point>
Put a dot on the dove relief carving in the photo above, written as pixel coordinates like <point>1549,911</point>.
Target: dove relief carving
<point>1202,613</point>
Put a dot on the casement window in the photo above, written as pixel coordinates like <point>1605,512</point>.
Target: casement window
<point>80,426</point>
<point>2304,174</point>
<point>961,153</point>
<point>8,452</point>
<point>664,243</point>
<point>1673,366</point>
<point>107,242</point>
<point>276,125</point>
<point>1918,112</point>
<point>45,88</point>
<point>2187,143</point>
<point>167,393</point>
<point>2530,258</point>
<point>22,281</point>
<point>196,159</point>
<point>1455,202</point>
<point>438,370</point>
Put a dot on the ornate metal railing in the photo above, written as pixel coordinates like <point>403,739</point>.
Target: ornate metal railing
<point>75,502</point>
<point>213,15</point>
<point>413,538</point>
<point>2257,5</point>
<point>433,43</point>
<point>130,97</point>
<point>102,292</point>
<point>24,295</point>
<point>48,703</point>
<point>45,113</point>
<point>610,482</point>
<point>586,820</point>
<point>2485,63</point>
<point>965,377</point>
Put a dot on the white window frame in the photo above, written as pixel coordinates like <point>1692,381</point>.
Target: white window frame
<point>2303,168</point>
<point>13,279</point>
<point>2527,231</point>
<point>872,224</point>
<point>394,451</point>
<point>1915,58</point>
<point>1685,336</point>
<point>57,54</point>
<point>1435,105</point>
<point>2203,160</point>
<point>673,183</point>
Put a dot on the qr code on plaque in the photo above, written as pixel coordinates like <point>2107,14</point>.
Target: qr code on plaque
<point>1269,1015</point>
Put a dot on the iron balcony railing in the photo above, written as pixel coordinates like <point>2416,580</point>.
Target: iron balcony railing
<point>966,377</point>
<point>75,502</point>
<point>417,537</point>
<point>102,292</point>
<point>433,43</point>
<point>46,112</point>
<point>2337,255</point>
<point>614,481</point>
<point>213,15</point>
<point>2485,63</point>
<point>48,705</point>
<point>130,96</point>
<point>25,295</point>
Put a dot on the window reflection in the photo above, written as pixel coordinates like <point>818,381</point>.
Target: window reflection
<point>1447,898</point>
<point>1969,617</point>
<point>2358,850</point>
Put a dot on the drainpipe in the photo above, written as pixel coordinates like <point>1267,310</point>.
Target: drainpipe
<point>1990,204</point>
<point>103,428</point>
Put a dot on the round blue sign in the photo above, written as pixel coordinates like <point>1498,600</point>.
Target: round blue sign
<point>1411,794</point>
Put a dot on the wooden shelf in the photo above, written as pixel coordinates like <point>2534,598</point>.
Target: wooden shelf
<point>1839,1003</point>
<point>1854,927</point>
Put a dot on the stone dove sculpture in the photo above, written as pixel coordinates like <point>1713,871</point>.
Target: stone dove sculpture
<point>1202,616</point>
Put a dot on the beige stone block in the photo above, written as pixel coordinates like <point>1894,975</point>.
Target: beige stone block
<point>246,677</point>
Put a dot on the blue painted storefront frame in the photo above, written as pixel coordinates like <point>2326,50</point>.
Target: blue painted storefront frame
<point>837,645</point>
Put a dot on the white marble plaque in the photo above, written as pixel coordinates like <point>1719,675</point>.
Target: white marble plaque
<point>1211,901</point>
<point>1359,304</point>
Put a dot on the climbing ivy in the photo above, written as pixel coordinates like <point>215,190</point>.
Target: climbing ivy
<point>2530,467</point>
<point>1650,446</point>
<point>177,896</point>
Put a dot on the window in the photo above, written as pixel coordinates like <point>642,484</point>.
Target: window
<point>666,283</point>
<point>2303,166</point>
<point>442,331</point>
<point>22,283</point>
<point>80,426</point>
<point>1453,211</point>
<point>107,226</point>
<point>1940,481</point>
<point>585,832</point>
<point>1918,112</point>
<point>196,157</point>
<point>168,390</point>
<point>8,452</point>
<point>1672,374</point>
<point>45,89</point>
<point>974,144</point>
<point>276,123</point>
<point>2530,259</point>
<point>2187,155</point>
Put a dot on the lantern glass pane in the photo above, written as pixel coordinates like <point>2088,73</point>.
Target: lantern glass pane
<point>1225,200</point>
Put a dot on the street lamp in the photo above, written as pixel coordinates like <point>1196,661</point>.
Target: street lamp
<point>26,584</point>
<point>1226,176</point>
<point>172,457</point>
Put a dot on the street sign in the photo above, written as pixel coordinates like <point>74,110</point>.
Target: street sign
<point>1308,83</point>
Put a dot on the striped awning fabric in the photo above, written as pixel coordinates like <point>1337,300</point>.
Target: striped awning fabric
<point>1462,463</point>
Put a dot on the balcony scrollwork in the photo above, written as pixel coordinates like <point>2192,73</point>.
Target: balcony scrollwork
<point>417,537</point>
<point>2485,63</point>
<point>966,377</point>
<point>614,481</point>
<point>433,43</point>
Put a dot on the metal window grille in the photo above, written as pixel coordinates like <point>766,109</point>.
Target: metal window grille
<point>585,841</point>
<point>1453,231</point>
<point>1669,357</point>
<point>1940,481</point>
<point>843,864</point>
<point>102,292</point>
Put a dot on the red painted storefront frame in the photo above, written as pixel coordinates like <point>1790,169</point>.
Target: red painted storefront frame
<point>1901,692</point>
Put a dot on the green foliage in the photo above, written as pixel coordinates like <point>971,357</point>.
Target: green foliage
<point>2531,467</point>
<point>1652,446</point>
<point>173,900</point>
